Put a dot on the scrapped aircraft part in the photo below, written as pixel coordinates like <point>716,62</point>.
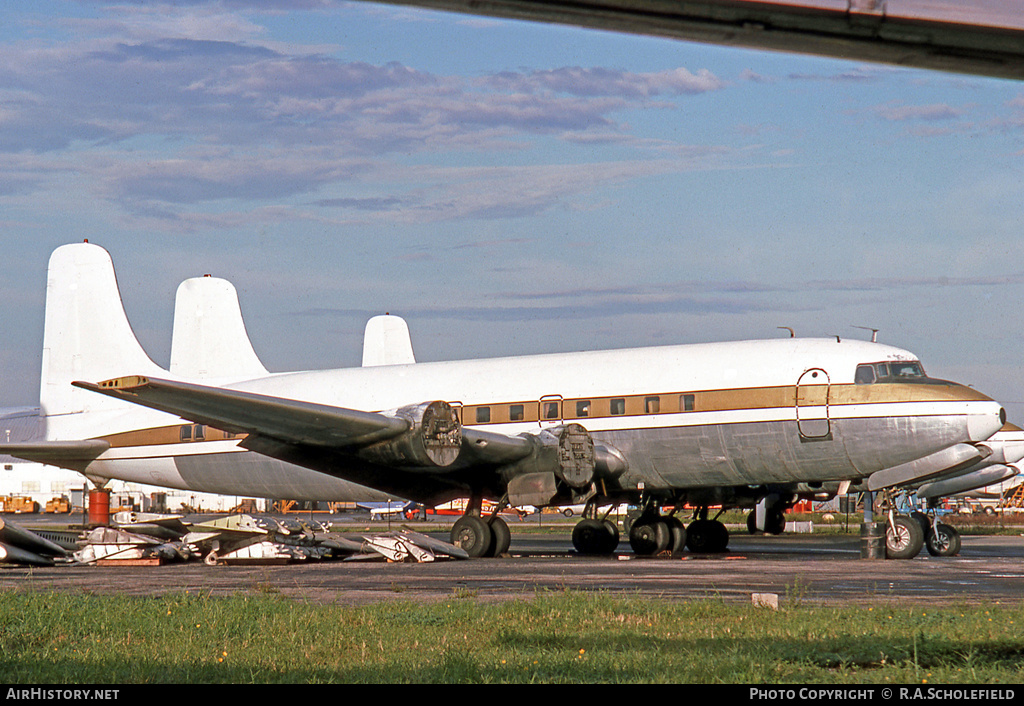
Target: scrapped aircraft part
<point>950,459</point>
<point>435,545</point>
<point>903,537</point>
<point>15,536</point>
<point>10,554</point>
<point>406,546</point>
<point>576,461</point>
<point>943,540</point>
<point>108,543</point>
<point>433,440</point>
<point>539,489</point>
<point>264,552</point>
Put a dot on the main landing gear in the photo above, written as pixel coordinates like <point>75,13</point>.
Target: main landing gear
<point>479,536</point>
<point>651,533</point>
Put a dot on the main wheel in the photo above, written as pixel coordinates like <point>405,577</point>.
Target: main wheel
<point>502,537</point>
<point>649,536</point>
<point>706,537</point>
<point>905,540</point>
<point>944,542</point>
<point>471,534</point>
<point>595,537</point>
<point>677,534</point>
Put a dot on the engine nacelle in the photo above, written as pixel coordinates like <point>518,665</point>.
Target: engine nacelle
<point>564,464</point>
<point>433,440</point>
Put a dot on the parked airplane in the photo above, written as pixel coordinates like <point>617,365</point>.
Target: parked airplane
<point>724,424</point>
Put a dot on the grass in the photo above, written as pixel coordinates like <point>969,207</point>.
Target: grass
<point>565,637</point>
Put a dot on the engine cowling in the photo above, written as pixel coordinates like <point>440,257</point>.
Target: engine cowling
<point>433,440</point>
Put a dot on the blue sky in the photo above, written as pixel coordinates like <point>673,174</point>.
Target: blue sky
<point>507,187</point>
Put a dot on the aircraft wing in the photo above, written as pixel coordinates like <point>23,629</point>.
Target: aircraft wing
<point>75,455</point>
<point>968,36</point>
<point>424,453</point>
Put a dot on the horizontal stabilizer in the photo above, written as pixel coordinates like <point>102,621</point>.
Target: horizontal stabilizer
<point>75,455</point>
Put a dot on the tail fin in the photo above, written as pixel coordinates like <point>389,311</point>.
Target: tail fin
<point>387,342</point>
<point>86,336</point>
<point>209,339</point>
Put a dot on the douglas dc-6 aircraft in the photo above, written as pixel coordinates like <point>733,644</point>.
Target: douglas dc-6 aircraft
<point>724,425</point>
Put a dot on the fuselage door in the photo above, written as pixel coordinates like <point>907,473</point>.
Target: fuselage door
<point>549,413</point>
<point>812,397</point>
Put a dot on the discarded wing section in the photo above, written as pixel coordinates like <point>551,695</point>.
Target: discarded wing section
<point>21,546</point>
<point>109,544</point>
<point>407,546</point>
<point>245,539</point>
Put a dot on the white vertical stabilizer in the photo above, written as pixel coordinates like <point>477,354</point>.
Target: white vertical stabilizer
<point>387,342</point>
<point>86,336</point>
<point>209,339</point>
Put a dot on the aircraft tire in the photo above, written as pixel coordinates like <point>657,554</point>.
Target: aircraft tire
<point>907,539</point>
<point>775,522</point>
<point>471,534</point>
<point>752,522</point>
<point>595,537</point>
<point>649,536</point>
<point>677,532</point>
<point>945,542</point>
<point>502,537</point>
<point>611,536</point>
<point>707,537</point>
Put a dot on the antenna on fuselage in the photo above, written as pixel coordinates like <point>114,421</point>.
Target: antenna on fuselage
<point>787,328</point>
<point>874,332</point>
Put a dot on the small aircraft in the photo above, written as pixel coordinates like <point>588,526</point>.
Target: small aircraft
<point>710,425</point>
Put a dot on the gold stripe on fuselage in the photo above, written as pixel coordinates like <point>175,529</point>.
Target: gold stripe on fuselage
<point>652,404</point>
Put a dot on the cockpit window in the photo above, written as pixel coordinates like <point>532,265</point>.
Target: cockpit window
<point>891,371</point>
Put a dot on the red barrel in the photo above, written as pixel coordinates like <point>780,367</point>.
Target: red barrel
<point>99,507</point>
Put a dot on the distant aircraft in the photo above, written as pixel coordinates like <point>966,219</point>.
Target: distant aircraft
<point>723,425</point>
<point>967,36</point>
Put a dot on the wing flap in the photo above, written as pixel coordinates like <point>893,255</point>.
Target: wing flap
<point>292,421</point>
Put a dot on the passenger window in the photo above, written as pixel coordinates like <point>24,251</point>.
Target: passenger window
<point>865,375</point>
<point>515,413</point>
<point>618,406</point>
<point>652,405</point>
<point>200,433</point>
<point>686,403</point>
<point>186,433</point>
<point>483,415</point>
<point>583,408</point>
<point>551,410</point>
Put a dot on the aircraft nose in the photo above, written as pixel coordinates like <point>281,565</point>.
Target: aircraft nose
<point>985,420</point>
